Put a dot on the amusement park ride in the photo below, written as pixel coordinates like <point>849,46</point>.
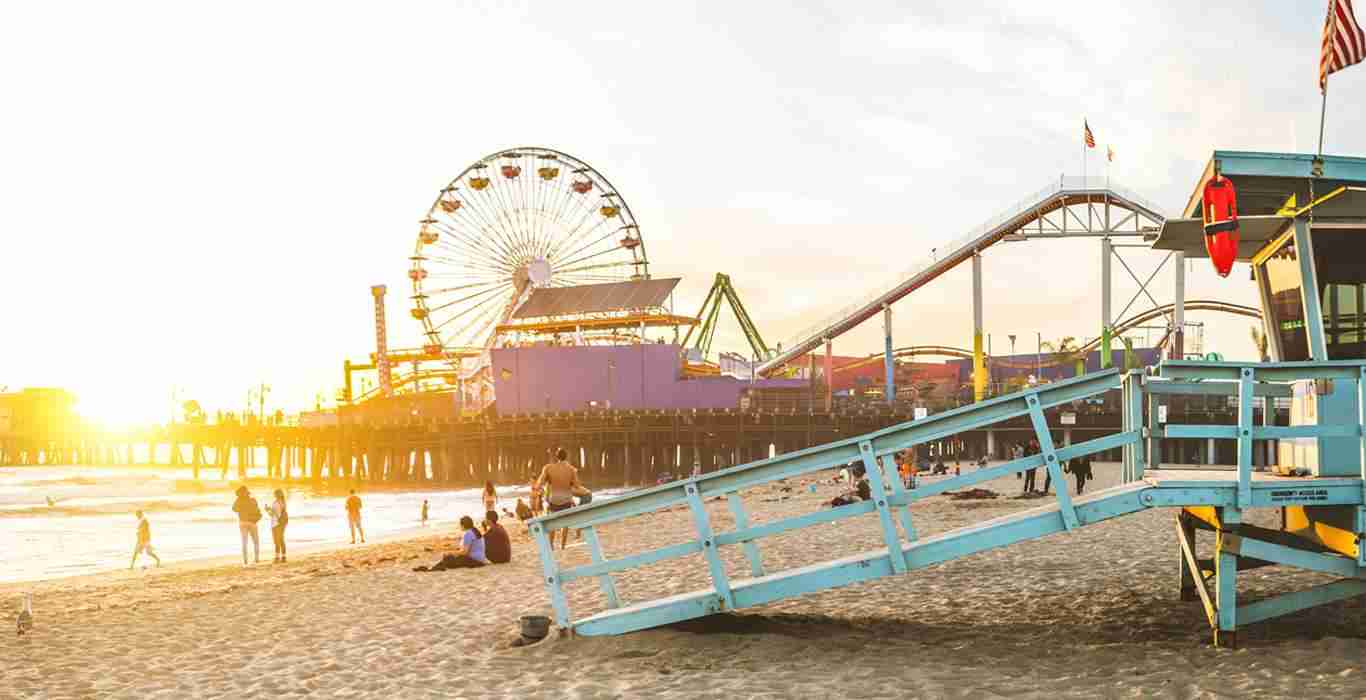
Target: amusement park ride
<point>1308,258</point>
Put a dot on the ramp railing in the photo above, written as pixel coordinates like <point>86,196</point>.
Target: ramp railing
<point>890,500</point>
<point>1247,382</point>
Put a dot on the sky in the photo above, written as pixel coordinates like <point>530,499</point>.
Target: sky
<point>197,197</point>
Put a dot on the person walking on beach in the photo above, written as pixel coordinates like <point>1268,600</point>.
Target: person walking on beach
<point>490,496</point>
<point>353,517</point>
<point>1080,468</point>
<point>144,541</point>
<point>1029,473</point>
<point>561,481</point>
<point>279,518</point>
<point>248,515</point>
<point>424,512</point>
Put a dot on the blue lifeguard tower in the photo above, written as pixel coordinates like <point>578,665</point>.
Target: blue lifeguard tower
<point>1303,229</point>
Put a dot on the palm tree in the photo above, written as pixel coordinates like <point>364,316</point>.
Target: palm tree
<point>1259,340</point>
<point>1066,350</point>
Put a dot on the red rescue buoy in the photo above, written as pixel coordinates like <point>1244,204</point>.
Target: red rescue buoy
<point>1221,223</point>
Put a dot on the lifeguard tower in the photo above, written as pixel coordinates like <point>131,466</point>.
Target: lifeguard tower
<point>1303,229</point>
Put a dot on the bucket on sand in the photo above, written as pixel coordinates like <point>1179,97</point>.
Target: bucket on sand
<point>535,626</point>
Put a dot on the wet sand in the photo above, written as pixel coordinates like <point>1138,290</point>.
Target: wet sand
<point>1087,614</point>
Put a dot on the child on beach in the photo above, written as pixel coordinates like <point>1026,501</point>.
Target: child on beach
<point>490,496</point>
<point>144,541</point>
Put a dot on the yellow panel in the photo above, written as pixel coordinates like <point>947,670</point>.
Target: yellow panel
<point>1303,523</point>
<point>1205,514</point>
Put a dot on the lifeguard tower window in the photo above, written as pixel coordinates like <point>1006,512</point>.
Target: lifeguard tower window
<point>1338,261</point>
<point>1280,275</point>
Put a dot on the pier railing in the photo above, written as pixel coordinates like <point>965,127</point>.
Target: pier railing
<point>890,500</point>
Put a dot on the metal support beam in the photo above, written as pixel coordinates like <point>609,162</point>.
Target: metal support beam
<point>888,361</point>
<point>884,511</point>
<point>979,370</point>
<point>700,520</point>
<point>1286,603</point>
<point>1106,320</point>
<point>1178,347</point>
<point>829,377</point>
<point>1245,438</point>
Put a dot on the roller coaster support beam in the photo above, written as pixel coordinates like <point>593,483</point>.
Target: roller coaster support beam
<point>979,370</point>
<point>889,361</point>
<point>829,377</point>
<point>1178,348</point>
<point>1106,320</point>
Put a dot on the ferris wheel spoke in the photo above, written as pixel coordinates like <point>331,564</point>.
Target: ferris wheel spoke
<point>499,226</point>
<point>478,325</point>
<point>469,297</point>
<point>569,265</point>
<point>585,247</point>
<point>458,230</point>
<point>577,230</point>
<point>598,266</point>
<point>585,231</point>
<point>479,268</point>
<point>490,302</point>
<point>459,287</point>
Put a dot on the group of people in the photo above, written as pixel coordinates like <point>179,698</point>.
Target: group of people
<point>554,490</point>
<point>249,516</point>
<point>1079,467</point>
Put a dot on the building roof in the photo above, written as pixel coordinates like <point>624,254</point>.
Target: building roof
<point>597,298</point>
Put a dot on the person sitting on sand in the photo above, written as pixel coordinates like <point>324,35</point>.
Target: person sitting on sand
<point>524,511</point>
<point>470,554</point>
<point>144,543</point>
<point>353,506</point>
<point>497,544</point>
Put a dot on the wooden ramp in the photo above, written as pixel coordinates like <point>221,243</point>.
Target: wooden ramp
<point>1325,518</point>
<point>999,532</point>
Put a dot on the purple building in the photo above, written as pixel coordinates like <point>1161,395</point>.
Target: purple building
<point>649,376</point>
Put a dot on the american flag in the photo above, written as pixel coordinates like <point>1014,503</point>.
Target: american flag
<point>1086,133</point>
<point>1344,43</point>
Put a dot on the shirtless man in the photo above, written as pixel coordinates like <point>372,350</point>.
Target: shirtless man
<point>560,480</point>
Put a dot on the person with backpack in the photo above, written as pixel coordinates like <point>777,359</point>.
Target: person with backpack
<point>248,515</point>
<point>279,518</point>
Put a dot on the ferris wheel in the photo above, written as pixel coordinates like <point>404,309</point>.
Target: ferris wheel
<point>512,222</point>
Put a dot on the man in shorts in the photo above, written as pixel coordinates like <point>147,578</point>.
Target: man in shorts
<point>560,480</point>
<point>144,541</point>
<point>353,517</point>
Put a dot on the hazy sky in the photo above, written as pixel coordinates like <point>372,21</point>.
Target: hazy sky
<point>200,195</point>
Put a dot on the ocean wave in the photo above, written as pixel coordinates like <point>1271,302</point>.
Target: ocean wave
<point>119,508</point>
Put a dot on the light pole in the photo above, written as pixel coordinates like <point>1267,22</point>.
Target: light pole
<point>1038,360</point>
<point>611,365</point>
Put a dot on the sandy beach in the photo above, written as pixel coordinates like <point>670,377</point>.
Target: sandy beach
<point>1087,614</point>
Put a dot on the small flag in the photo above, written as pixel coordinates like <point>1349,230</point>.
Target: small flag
<point>1110,153</point>
<point>1344,43</point>
<point>1086,133</point>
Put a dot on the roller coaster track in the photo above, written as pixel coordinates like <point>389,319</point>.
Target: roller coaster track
<point>1044,214</point>
<point>1122,327</point>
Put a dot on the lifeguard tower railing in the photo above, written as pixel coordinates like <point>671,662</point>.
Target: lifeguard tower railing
<point>1223,493</point>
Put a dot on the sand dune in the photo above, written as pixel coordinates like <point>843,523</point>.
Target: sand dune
<point>1086,614</point>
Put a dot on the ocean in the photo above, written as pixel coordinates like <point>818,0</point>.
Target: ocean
<point>90,526</point>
